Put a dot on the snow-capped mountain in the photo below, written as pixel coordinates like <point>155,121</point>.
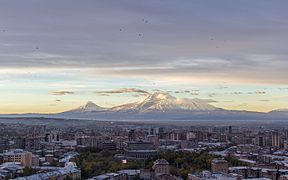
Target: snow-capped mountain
<point>164,102</point>
<point>161,106</point>
<point>88,107</point>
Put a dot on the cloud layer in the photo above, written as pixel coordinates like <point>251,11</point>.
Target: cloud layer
<point>232,51</point>
<point>122,91</point>
<point>190,38</point>
<point>61,93</point>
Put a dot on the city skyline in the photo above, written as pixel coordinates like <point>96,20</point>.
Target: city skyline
<point>57,55</point>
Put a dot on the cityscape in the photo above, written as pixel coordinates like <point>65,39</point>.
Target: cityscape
<point>76,149</point>
<point>147,89</point>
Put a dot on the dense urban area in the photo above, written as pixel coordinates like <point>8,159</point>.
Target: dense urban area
<point>78,149</point>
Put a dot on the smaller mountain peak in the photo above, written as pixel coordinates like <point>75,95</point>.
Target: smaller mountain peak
<point>90,104</point>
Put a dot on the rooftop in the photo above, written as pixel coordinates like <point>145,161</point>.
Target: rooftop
<point>14,152</point>
<point>161,162</point>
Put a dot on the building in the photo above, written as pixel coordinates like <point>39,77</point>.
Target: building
<point>286,134</point>
<point>69,171</point>
<point>32,143</point>
<point>219,166</point>
<point>283,177</point>
<point>275,139</point>
<point>109,146</point>
<point>161,166</point>
<point>18,155</point>
<point>257,172</point>
<point>18,142</point>
<point>10,169</point>
<point>87,141</point>
<point>109,176</point>
<point>140,150</point>
<point>206,175</point>
<point>132,135</point>
<point>4,144</point>
<point>165,177</point>
<point>261,140</point>
<point>177,135</point>
<point>52,137</point>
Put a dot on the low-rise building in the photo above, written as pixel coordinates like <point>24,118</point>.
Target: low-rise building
<point>219,166</point>
<point>140,150</point>
<point>21,156</point>
<point>206,175</point>
<point>161,166</point>
<point>70,170</point>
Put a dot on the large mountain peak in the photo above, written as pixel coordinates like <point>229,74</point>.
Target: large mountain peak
<point>164,102</point>
<point>160,96</point>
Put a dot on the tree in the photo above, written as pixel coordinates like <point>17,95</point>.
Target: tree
<point>27,171</point>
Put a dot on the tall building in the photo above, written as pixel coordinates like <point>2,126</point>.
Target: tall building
<point>230,129</point>
<point>132,135</point>
<point>19,142</point>
<point>32,143</point>
<point>275,139</point>
<point>153,131</point>
<point>4,144</point>
<point>261,140</point>
<point>286,134</point>
<point>177,135</point>
<point>52,137</point>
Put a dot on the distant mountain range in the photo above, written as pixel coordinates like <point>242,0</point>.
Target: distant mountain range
<point>161,106</point>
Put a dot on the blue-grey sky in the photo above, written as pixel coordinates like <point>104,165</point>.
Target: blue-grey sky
<point>92,45</point>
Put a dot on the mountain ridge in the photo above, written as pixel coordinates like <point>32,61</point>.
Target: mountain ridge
<point>160,106</point>
<point>88,107</point>
<point>162,102</point>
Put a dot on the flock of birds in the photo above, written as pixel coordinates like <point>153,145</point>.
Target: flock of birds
<point>146,22</point>
<point>143,21</point>
<point>4,30</point>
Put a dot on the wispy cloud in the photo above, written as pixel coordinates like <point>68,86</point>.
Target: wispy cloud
<point>194,91</point>
<point>62,92</point>
<point>212,94</point>
<point>237,93</point>
<point>264,100</point>
<point>257,92</point>
<point>122,91</point>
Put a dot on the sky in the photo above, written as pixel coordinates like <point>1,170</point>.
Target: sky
<point>57,55</point>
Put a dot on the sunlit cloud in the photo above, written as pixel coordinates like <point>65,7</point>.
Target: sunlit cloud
<point>225,59</point>
<point>257,92</point>
<point>61,93</point>
<point>264,100</point>
<point>237,93</point>
<point>122,91</point>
